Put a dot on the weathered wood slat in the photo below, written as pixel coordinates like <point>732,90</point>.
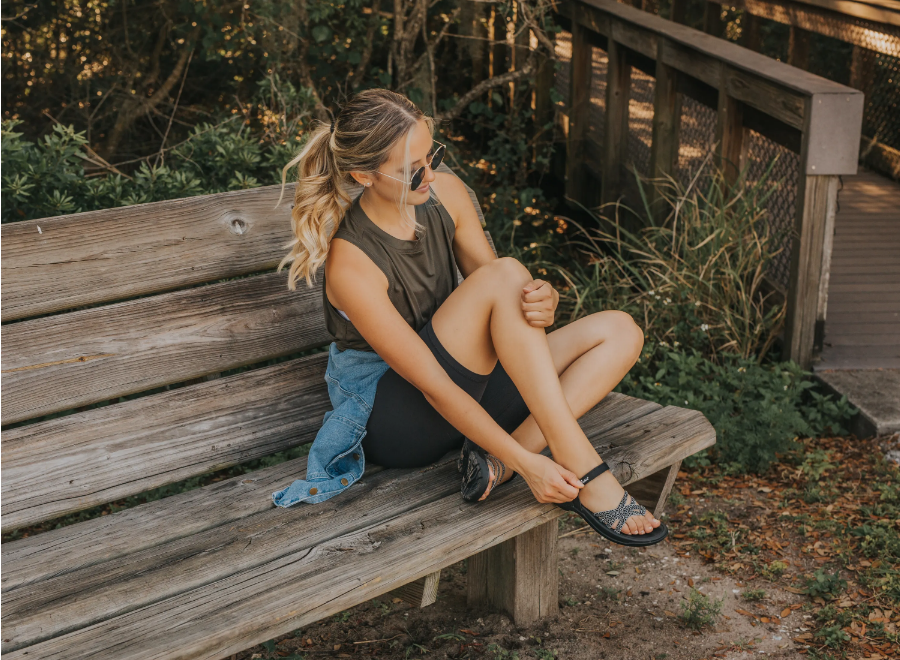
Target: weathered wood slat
<point>863,338</point>
<point>618,83</point>
<point>74,547</point>
<point>107,255</point>
<point>885,316</point>
<point>71,548</point>
<point>101,455</point>
<point>83,597</point>
<point>59,362</point>
<point>119,253</point>
<point>297,588</point>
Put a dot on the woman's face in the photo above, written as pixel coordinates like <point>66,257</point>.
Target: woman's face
<point>420,145</point>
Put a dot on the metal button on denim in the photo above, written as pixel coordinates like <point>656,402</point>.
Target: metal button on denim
<point>355,457</point>
<point>344,481</point>
<point>313,491</point>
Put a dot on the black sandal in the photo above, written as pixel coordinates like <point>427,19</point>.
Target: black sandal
<point>604,522</point>
<point>477,466</point>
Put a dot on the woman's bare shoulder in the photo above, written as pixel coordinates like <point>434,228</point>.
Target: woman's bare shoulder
<point>452,193</point>
<point>347,266</point>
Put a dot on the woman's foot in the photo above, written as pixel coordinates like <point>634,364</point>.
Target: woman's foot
<point>604,493</point>
<point>495,465</point>
<point>482,472</point>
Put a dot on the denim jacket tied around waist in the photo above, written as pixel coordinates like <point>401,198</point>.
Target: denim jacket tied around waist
<point>336,458</point>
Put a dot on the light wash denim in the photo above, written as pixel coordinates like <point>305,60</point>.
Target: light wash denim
<point>336,458</point>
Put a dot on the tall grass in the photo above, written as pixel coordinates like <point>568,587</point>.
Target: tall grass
<point>695,277</point>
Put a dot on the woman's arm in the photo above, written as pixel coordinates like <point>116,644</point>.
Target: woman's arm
<point>470,246</point>
<point>359,288</point>
<point>472,250</point>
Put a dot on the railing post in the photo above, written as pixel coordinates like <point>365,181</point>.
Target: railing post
<point>712,19</point>
<point>750,34</point>
<point>729,135</point>
<point>810,261</point>
<point>615,129</point>
<point>666,125</point>
<point>579,109</point>
<point>798,48</point>
<point>544,109</point>
<point>678,11</point>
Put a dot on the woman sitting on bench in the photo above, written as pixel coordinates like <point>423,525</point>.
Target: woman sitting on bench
<point>421,365</point>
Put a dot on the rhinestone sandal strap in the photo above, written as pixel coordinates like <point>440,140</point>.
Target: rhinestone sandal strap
<point>622,512</point>
<point>596,472</point>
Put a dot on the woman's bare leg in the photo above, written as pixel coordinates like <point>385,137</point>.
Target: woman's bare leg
<point>591,355</point>
<point>482,321</point>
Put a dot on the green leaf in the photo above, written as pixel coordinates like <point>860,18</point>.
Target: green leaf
<point>321,32</point>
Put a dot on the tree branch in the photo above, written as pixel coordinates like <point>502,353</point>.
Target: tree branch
<point>484,86</point>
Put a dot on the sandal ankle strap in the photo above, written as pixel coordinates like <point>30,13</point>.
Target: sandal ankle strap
<point>596,472</point>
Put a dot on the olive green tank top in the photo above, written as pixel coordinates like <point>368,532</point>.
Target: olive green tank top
<point>421,273</point>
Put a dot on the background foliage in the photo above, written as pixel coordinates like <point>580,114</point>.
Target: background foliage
<point>210,96</point>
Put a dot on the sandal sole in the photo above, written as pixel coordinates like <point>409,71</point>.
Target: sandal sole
<point>465,464</point>
<point>630,540</point>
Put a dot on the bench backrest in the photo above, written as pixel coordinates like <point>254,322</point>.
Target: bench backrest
<point>121,328</point>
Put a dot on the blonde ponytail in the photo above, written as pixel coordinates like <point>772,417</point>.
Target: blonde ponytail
<point>364,135</point>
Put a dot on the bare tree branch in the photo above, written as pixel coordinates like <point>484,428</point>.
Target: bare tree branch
<point>138,105</point>
<point>359,74</point>
<point>484,86</point>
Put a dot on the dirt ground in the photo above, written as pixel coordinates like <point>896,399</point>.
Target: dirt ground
<point>802,561</point>
<point>615,602</point>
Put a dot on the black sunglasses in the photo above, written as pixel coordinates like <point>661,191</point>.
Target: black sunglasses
<point>419,174</point>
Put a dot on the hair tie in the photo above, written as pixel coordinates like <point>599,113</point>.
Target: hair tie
<point>332,125</point>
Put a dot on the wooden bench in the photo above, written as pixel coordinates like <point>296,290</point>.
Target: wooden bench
<point>156,300</point>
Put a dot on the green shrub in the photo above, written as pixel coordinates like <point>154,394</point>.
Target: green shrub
<point>48,178</point>
<point>699,611</point>
<point>757,410</point>
<point>824,585</point>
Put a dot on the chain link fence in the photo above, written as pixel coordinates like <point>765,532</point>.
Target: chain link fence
<point>861,53</point>
<point>697,135</point>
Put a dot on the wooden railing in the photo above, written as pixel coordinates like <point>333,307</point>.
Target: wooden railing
<point>818,119</point>
<point>871,27</point>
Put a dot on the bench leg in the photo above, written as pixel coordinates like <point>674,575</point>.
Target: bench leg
<point>421,592</point>
<point>653,491</point>
<point>519,576</point>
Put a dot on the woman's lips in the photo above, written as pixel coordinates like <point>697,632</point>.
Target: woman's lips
<point>423,188</point>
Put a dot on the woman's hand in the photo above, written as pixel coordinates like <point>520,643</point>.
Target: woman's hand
<point>539,300</point>
<point>549,481</point>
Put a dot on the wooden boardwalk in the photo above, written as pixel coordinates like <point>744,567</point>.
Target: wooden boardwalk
<point>862,326</point>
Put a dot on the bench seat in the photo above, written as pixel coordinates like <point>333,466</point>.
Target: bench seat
<point>148,345</point>
<point>212,571</point>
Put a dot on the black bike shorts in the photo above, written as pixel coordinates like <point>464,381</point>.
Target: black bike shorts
<point>404,430</point>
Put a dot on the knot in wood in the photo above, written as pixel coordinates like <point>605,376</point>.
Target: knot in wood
<point>238,226</point>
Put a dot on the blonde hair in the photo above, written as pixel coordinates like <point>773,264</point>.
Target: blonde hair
<point>365,132</point>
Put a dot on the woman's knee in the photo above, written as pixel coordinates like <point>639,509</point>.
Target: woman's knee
<point>507,270</point>
<point>621,328</point>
